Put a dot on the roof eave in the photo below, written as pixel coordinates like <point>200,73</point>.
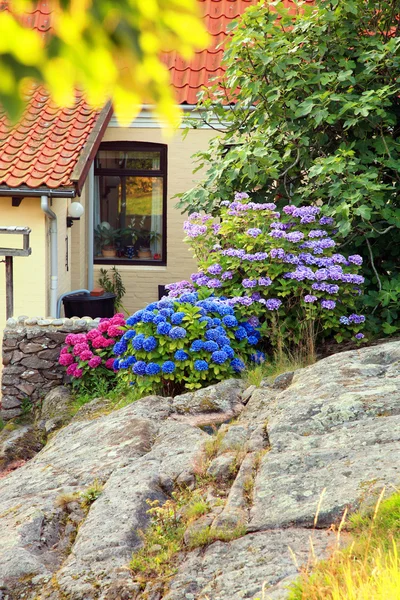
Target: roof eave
<point>82,167</point>
<point>25,192</point>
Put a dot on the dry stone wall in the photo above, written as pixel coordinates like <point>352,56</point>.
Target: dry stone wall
<point>31,347</point>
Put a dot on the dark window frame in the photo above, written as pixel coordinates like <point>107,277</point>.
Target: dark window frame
<point>162,172</point>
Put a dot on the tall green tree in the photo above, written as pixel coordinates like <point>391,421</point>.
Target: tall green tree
<point>309,111</point>
<point>110,49</point>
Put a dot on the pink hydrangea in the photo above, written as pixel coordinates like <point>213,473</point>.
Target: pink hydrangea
<point>79,348</point>
<point>110,363</point>
<point>71,369</point>
<point>66,359</point>
<point>86,355</point>
<point>99,342</point>
<point>94,362</point>
<point>78,373</point>
<point>64,350</point>
<point>93,334</point>
<point>103,326</point>
<point>114,331</point>
<point>70,339</point>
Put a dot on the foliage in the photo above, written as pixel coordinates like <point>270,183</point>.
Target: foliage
<point>88,356</point>
<point>280,269</point>
<point>114,285</point>
<point>91,494</point>
<point>164,538</point>
<point>107,236</point>
<point>183,343</point>
<point>97,46</point>
<point>368,568</point>
<point>314,113</point>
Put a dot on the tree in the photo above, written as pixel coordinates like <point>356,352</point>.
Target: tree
<point>110,49</point>
<point>309,111</point>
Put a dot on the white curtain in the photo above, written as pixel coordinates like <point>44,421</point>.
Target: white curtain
<point>156,215</point>
<point>96,206</point>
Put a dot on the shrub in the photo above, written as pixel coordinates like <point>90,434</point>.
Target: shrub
<point>89,356</point>
<point>279,268</point>
<point>185,342</point>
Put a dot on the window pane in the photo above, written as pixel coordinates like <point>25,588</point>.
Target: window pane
<point>129,217</point>
<point>145,160</point>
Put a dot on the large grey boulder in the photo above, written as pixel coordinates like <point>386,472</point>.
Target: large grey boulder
<point>330,438</point>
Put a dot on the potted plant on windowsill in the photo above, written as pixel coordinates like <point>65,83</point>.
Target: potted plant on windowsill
<point>106,238</point>
<point>146,238</point>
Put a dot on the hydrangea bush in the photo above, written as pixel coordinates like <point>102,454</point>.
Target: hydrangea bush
<point>279,266</point>
<point>89,356</point>
<point>183,343</point>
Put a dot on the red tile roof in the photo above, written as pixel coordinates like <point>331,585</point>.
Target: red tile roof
<point>45,148</point>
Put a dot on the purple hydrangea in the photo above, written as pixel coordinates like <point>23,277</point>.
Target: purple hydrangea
<point>277,253</point>
<point>356,319</point>
<point>265,281</point>
<point>359,336</point>
<point>254,232</point>
<point>273,303</point>
<point>226,275</point>
<point>249,283</point>
<point>328,304</point>
<point>214,283</point>
<point>317,233</point>
<point>355,259</point>
<point>326,221</point>
<point>310,298</point>
<point>294,236</point>
<point>193,231</point>
<point>215,269</point>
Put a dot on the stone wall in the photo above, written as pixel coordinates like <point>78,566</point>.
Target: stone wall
<point>31,348</point>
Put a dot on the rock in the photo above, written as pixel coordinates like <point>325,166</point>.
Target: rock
<point>8,402</point>
<point>33,362</point>
<point>238,570</point>
<point>247,393</point>
<point>56,408</point>
<point>187,480</point>
<point>235,438</point>
<point>283,381</point>
<point>30,347</point>
<point>222,397</point>
<point>18,443</point>
<point>92,409</point>
<point>196,527</point>
<point>222,467</point>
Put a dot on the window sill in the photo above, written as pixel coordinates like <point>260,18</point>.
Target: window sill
<point>134,263</point>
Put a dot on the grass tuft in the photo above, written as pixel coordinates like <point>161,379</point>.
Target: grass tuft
<point>369,569</point>
<point>209,535</point>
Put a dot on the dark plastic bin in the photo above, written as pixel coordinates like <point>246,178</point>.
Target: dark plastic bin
<point>85,305</point>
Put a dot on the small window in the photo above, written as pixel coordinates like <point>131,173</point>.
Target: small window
<point>130,203</point>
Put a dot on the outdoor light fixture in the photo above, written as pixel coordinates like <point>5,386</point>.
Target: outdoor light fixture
<point>75,211</point>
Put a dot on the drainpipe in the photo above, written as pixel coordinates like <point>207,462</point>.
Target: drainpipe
<point>44,204</point>
<point>90,229</point>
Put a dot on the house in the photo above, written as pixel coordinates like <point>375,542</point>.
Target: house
<point>124,177</point>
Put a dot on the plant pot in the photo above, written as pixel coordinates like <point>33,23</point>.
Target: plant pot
<point>109,252</point>
<point>144,253</point>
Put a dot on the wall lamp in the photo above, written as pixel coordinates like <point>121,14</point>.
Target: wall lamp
<point>75,211</point>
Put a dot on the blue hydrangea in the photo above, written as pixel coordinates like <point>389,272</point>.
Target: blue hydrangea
<point>253,341</point>
<point>224,309</point>
<point>219,357</point>
<point>191,298</point>
<point>137,342</point>
<point>229,351</point>
<point>166,312</point>
<point>196,346</point>
<point>229,321</point>
<point>212,334</point>
<point>165,303</point>
<point>152,306</point>
<point>216,322</point>
<point>150,344</point>
<point>159,319</point>
<point>164,328</point>
<point>120,347</point>
<point>223,341</point>
<point>200,365</point>
<point>258,357</point>
<point>344,320</point>
<point>147,316</point>
<point>153,369</point>
<point>116,364</point>
<point>181,355</point>
<point>135,318</point>
<point>177,333</point>
<point>237,365</point>
<point>207,320</point>
<point>168,366</point>
<point>139,368</point>
<point>177,318</point>
<point>210,346</point>
<point>128,335</point>
<point>240,333</point>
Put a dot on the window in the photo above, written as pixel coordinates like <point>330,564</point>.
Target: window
<point>130,203</point>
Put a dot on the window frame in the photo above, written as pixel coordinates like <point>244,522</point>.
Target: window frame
<point>161,172</point>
